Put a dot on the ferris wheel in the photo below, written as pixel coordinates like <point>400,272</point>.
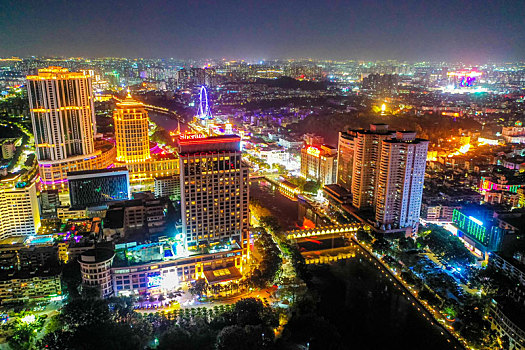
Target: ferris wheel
<point>204,111</point>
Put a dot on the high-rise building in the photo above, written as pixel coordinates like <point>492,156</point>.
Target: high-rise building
<point>386,171</point>
<point>62,112</point>
<point>96,187</point>
<point>400,177</point>
<point>319,163</point>
<point>133,146</point>
<point>131,131</point>
<point>345,160</point>
<point>214,190</point>
<point>367,150</point>
<point>20,213</point>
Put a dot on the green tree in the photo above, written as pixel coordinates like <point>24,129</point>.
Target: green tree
<point>200,287</point>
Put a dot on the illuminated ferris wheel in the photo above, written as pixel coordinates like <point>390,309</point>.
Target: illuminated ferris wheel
<point>204,105</point>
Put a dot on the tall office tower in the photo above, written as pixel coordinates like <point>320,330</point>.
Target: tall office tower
<point>214,190</point>
<point>345,159</point>
<point>20,213</point>
<point>401,172</point>
<point>367,145</point>
<point>62,113</point>
<point>131,131</point>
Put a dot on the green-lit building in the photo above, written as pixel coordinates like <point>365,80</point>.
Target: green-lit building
<point>478,230</point>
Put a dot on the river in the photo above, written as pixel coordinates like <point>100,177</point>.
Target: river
<point>166,121</point>
<point>367,308</point>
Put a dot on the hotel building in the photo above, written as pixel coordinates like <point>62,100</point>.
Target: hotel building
<point>133,146</point>
<point>214,190</point>
<point>63,117</point>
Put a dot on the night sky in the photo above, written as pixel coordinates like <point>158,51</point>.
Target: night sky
<point>471,31</point>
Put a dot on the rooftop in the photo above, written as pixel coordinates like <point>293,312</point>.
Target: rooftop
<point>96,255</point>
<point>104,172</point>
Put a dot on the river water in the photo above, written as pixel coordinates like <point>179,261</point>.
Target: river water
<point>357,297</point>
<point>167,122</point>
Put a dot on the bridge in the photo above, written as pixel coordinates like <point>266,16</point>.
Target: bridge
<point>344,230</point>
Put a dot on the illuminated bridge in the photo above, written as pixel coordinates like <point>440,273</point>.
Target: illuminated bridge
<point>345,230</point>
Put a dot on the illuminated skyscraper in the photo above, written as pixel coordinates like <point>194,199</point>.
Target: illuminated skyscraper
<point>62,113</point>
<point>214,190</point>
<point>131,131</point>
<point>401,173</point>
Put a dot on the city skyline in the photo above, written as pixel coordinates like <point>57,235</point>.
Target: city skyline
<point>372,194</point>
<point>453,31</point>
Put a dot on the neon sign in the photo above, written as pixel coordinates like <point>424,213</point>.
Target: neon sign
<point>192,136</point>
<point>313,151</point>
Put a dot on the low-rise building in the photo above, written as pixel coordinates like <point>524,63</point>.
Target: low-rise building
<point>167,186</point>
<point>95,270</point>
<point>24,286</point>
<point>319,164</point>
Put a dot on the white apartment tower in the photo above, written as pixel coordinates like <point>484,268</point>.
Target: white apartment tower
<point>367,151</point>
<point>386,171</point>
<point>62,113</point>
<point>20,212</point>
<point>214,188</point>
<point>401,173</point>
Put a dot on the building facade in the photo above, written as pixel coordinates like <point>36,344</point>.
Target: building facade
<point>319,163</point>
<point>400,177</point>
<point>214,186</point>
<point>167,275</point>
<point>63,117</point>
<point>62,113</point>
<point>20,211</point>
<point>24,287</point>
<point>95,269</point>
<point>167,186</point>
<point>367,152</point>
<point>133,146</point>
<point>345,160</point>
<point>131,131</point>
<point>478,231</point>
<point>94,187</point>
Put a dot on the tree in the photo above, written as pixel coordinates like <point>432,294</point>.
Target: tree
<point>311,187</point>
<point>363,236</point>
<point>270,223</point>
<point>230,337</point>
<point>72,278</point>
<point>199,288</point>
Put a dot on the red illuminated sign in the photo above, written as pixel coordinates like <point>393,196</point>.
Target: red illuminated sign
<point>187,137</point>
